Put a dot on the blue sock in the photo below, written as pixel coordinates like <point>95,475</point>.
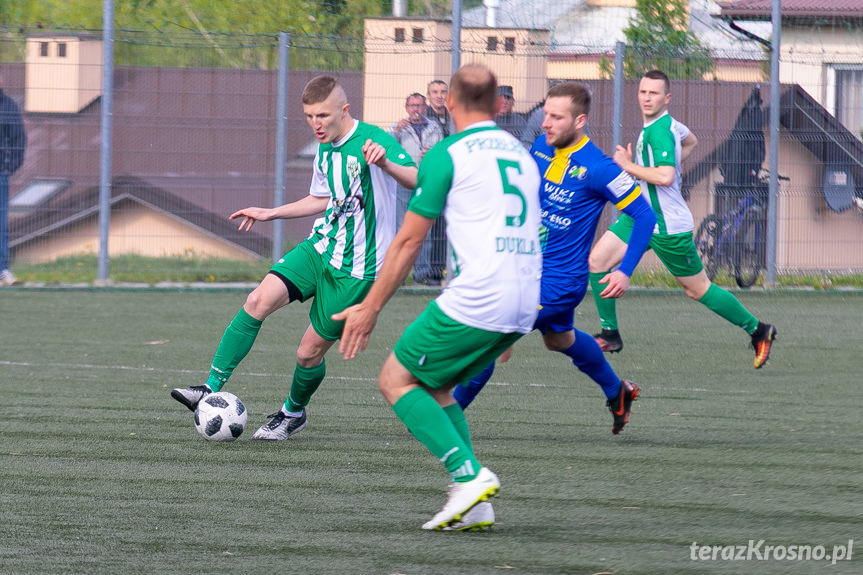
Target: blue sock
<point>590,360</point>
<point>464,394</point>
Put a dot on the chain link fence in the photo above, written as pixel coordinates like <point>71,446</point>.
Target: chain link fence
<point>195,119</point>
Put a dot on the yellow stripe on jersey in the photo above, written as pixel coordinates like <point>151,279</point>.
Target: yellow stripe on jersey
<point>559,166</point>
<point>636,191</point>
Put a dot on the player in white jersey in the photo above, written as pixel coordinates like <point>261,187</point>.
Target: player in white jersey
<point>662,145</point>
<point>486,185</point>
<point>354,183</point>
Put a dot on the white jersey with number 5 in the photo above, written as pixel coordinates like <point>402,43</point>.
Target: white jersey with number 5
<point>486,185</point>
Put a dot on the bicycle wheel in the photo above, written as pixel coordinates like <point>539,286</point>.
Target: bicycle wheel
<point>748,252</point>
<point>705,242</point>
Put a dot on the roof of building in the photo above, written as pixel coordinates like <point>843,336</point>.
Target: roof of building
<point>577,26</point>
<point>790,9</point>
<point>198,142</point>
<point>83,203</point>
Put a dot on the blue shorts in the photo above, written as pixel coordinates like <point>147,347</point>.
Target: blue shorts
<point>557,303</point>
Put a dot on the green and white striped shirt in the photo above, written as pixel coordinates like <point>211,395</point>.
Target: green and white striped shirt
<point>359,223</point>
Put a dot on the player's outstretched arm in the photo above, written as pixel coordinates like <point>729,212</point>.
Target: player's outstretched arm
<point>308,206</point>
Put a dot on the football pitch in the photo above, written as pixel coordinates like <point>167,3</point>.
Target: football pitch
<point>721,469</point>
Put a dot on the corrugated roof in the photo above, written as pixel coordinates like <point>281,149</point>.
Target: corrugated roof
<point>537,14</point>
<point>579,27</point>
<point>762,9</point>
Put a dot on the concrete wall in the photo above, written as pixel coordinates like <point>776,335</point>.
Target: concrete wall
<point>58,83</point>
<point>393,70</point>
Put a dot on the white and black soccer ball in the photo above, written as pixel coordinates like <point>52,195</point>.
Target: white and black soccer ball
<point>220,416</point>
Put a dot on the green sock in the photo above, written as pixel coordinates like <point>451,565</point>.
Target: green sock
<point>431,425</point>
<point>236,342</point>
<point>724,304</point>
<point>607,307</point>
<point>459,421</point>
<point>304,384</point>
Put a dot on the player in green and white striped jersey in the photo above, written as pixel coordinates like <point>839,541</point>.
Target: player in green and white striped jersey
<point>360,219</point>
<point>662,145</point>
<point>354,183</point>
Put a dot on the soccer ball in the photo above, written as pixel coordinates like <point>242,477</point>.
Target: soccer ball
<point>220,416</point>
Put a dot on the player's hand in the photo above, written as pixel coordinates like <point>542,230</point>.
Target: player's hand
<point>618,283</point>
<point>359,323</point>
<point>374,153</point>
<point>623,156</point>
<point>250,216</point>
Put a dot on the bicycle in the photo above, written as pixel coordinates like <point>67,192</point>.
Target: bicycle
<point>738,240</point>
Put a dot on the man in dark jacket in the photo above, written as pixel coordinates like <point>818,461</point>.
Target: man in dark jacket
<point>12,143</point>
<point>512,122</point>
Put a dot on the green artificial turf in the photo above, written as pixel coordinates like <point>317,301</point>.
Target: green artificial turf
<point>102,472</point>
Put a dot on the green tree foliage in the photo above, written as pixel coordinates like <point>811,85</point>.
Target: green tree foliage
<point>658,37</point>
<point>312,17</point>
<point>235,33</point>
<point>219,33</point>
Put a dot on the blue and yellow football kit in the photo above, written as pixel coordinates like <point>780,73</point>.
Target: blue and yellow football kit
<point>577,182</point>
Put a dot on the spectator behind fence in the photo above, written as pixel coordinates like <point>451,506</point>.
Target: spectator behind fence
<point>507,119</point>
<point>436,92</point>
<point>417,134</point>
<point>13,140</point>
<point>436,111</point>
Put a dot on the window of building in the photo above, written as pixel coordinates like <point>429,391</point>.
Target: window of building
<point>61,49</point>
<point>418,35</point>
<point>491,44</point>
<point>509,44</point>
<point>849,99</point>
<point>37,193</point>
<point>400,34</point>
<point>43,48</point>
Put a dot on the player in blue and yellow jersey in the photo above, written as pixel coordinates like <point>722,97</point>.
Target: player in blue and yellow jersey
<point>577,182</point>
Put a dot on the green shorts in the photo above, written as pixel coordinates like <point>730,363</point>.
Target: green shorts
<point>333,291</point>
<point>677,252</point>
<point>438,350</point>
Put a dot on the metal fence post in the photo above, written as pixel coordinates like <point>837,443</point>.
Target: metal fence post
<point>773,151</point>
<point>617,110</point>
<point>281,141</point>
<point>106,125</point>
<point>456,35</point>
